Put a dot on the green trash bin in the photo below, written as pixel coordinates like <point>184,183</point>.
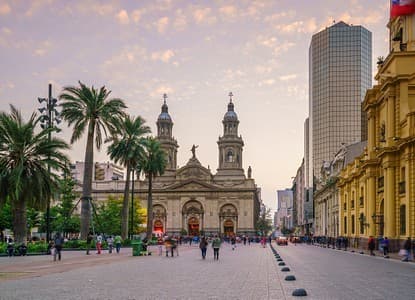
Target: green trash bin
<point>137,247</point>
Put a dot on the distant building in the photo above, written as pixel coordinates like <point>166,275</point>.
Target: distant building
<point>285,209</point>
<point>299,197</point>
<point>101,171</point>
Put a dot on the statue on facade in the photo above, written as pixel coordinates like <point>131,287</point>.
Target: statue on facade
<point>249,172</point>
<point>194,150</point>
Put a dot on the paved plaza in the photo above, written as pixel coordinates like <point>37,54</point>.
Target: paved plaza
<point>249,272</point>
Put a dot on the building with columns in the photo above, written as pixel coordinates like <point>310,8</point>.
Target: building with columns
<point>192,198</point>
<point>382,179</point>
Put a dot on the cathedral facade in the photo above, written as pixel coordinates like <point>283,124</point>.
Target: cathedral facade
<point>193,200</point>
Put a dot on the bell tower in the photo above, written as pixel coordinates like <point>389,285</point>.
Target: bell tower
<point>230,144</point>
<point>165,136</point>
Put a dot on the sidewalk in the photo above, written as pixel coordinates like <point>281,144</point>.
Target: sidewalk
<point>393,255</point>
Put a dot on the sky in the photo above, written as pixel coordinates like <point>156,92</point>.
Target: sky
<point>196,52</point>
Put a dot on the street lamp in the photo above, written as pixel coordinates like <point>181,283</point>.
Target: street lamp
<point>49,116</point>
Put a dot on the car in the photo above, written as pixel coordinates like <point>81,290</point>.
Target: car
<point>282,240</point>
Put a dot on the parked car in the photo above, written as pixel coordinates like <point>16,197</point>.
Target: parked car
<point>282,240</point>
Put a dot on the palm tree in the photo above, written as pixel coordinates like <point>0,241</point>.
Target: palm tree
<point>24,159</point>
<point>127,147</point>
<point>89,108</point>
<point>152,164</point>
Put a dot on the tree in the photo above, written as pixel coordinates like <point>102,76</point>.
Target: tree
<point>24,160</point>
<point>109,216</point>
<point>66,221</point>
<point>264,223</point>
<point>90,109</point>
<point>5,218</point>
<point>152,164</point>
<point>127,147</point>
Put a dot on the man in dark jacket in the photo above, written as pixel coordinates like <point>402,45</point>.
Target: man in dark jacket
<point>407,246</point>
<point>371,245</point>
<point>58,241</point>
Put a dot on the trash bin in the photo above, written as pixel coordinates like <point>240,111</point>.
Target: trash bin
<point>137,247</point>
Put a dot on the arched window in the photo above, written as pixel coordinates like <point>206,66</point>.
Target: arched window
<point>362,223</point>
<point>345,225</point>
<point>229,156</point>
<point>402,214</point>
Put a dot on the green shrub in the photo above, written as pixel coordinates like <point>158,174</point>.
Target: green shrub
<point>37,247</point>
<point>3,247</point>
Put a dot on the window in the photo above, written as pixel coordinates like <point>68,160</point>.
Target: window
<point>229,156</point>
<point>353,224</point>
<point>402,215</point>
<point>362,223</point>
<point>345,225</point>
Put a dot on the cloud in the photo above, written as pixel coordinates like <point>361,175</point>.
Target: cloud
<point>5,9</point>
<point>203,15</point>
<point>36,6</point>
<point>136,15</point>
<point>269,81</point>
<point>122,17</point>
<point>308,26</point>
<point>6,31</point>
<point>43,48</point>
<point>163,56</point>
<point>228,11</point>
<point>283,48</point>
<point>161,24</point>
<point>267,41</point>
<point>160,90</point>
<point>180,21</point>
<point>287,77</point>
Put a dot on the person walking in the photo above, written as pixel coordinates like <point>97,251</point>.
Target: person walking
<point>168,246</point>
<point>203,247</point>
<point>233,243</point>
<point>385,246</point>
<point>58,241</point>
<point>160,245</point>
<point>407,247</point>
<point>89,239</point>
<point>10,247</point>
<point>216,246</point>
<point>99,243</point>
<point>117,241</point>
<point>371,245</point>
<point>110,242</point>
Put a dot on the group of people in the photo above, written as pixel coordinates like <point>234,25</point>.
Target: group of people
<point>11,249</point>
<point>216,243</point>
<point>111,241</point>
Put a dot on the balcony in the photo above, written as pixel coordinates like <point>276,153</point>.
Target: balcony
<point>402,187</point>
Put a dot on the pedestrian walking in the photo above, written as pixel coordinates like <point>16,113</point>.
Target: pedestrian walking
<point>110,242</point>
<point>371,245</point>
<point>89,239</point>
<point>160,245</point>
<point>58,241</point>
<point>174,246</point>
<point>117,241</point>
<point>203,247</point>
<point>99,243</point>
<point>385,246</point>
<point>407,247</point>
<point>216,246</point>
<point>233,243</point>
<point>10,247</point>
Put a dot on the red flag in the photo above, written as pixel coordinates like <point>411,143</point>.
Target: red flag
<point>402,8</point>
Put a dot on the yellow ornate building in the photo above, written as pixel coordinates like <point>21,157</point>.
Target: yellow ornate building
<point>377,190</point>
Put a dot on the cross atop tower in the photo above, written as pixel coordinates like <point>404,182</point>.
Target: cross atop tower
<point>164,97</point>
<point>230,96</point>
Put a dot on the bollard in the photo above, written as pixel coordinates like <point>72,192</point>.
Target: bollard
<point>281,263</point>
<point>290,278</point>
<point>299,292</point>
<point>279,259</point>
<point>285,269</point>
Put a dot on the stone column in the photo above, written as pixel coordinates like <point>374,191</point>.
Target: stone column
<point>390,120</point>
<point>390,213</point>
<point>371,204</point>
<point>371,143</point>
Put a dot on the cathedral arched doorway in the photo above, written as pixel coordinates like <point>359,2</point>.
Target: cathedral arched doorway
<point>159,219</point>
<point>229,227</point>
<point>192,217</point>
<point>193,226</point>
<point>228,217</point>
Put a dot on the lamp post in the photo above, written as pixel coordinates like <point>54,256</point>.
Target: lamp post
<point>49,116</point>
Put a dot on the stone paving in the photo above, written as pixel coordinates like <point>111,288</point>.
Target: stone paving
<point>249,272</point>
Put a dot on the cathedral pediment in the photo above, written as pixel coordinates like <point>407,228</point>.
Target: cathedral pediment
<point>193,170</point>
<point>192,185</point>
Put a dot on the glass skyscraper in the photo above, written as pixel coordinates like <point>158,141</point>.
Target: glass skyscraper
<point>340,72</point>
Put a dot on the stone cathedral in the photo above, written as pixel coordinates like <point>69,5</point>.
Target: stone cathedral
<point>192,198</point>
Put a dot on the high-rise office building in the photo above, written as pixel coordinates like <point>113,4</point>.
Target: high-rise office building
<point>340,72</point>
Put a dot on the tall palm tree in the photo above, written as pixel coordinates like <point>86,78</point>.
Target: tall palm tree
<point>24,159</point>
<point>152,164</point>
<point>91,109</point>
<point>127,147</point>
